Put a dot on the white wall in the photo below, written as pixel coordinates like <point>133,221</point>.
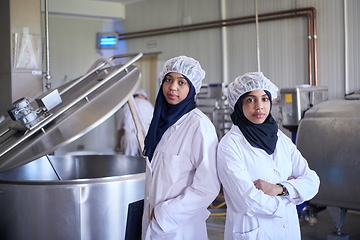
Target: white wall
<point>283,45</point>
<point>73,45</point>
<point>72,53</point>
<point>204,45</point>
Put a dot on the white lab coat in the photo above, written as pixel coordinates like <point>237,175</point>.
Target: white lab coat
<point>129,142</point>
<point>251,214</point>
<point>181,180</point>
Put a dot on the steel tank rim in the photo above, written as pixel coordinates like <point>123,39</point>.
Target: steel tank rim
<point>82,181</point>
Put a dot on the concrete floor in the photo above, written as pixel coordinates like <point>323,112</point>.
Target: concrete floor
<point>318,231</point>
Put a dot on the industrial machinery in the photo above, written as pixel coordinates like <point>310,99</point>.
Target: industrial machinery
<point>213,102</point>
<point>328,137</point>
<point>69,197</point>
<point>296,101</point>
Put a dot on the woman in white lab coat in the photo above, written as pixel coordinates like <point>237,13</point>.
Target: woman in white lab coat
<point>263,174</point>
<point>181,176</point>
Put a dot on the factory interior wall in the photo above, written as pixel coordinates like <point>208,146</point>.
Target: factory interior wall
<point>72,52</point>
<point>282,45</point>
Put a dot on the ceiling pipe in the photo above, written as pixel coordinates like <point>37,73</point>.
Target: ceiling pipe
<point>312,38</point>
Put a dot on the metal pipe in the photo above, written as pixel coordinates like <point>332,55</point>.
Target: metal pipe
<point>224,45</point>
<point>315,48</point>
<point>257,35</point>
<point>47,76</point>
<point>309,49</point>
<point>205,25</point>
<point>310,55</point>
<point>312,51</point>
<point>346,49</point>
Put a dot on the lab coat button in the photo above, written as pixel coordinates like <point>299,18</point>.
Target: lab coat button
<point>285,226</point>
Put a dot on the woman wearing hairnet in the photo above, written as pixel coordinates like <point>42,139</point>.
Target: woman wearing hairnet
<point>263,175</point>
<point>181,177</point>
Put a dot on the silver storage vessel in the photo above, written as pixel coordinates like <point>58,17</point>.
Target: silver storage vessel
<point>328,137</point>
<point>90,201</point>
<point>69,197</point>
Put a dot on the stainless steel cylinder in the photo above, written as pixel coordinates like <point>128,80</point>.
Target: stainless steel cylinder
<point>70,197</point>
<point>328,137</point>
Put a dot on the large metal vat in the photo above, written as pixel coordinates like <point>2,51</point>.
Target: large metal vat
<point>89,201</point>
<point>69,197</point>
<point>328,137</point>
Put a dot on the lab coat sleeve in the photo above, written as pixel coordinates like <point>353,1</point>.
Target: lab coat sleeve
<point>239,186</point>
<point>204,187</point>
<point>306,183</point>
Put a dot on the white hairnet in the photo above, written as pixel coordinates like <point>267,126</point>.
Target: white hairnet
<point>186,66</point>
<point>141,91</point>
<point>247,83</point>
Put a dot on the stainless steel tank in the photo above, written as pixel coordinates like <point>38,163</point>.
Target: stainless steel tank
<point>328,137</point>
<point>69,197</point>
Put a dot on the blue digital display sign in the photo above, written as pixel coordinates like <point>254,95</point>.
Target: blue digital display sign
<point>108,40</point>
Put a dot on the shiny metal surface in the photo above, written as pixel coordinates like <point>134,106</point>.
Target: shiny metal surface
<point>328,137</point>
<point>296,101</point>
<point>90,202</point>
<point>70,197</point>
<point>85,104</point>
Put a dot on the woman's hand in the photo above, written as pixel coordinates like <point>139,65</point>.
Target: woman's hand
<point>268,188</point>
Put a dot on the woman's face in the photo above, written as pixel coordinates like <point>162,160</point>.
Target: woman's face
<point>175,88</point>
<point>256,106</point>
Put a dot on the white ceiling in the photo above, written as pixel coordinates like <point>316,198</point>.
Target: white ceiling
<point>122,1</point>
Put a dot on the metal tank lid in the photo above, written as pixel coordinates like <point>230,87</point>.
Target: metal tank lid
<point>80,106</point>
<point>304,88</point>
<point>339,108</point>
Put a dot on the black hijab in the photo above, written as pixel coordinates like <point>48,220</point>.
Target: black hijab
<point>165,115</point>
<point>264,135</point>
